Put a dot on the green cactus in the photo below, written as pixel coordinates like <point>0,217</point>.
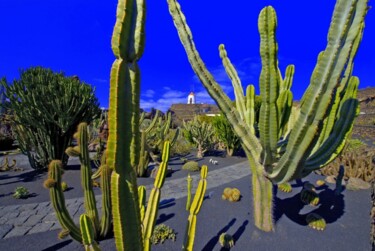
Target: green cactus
<point>21,193</point>
<point>226,241</point>
<point>81,151</point>
<point>200,134</point>
<point>315,221</point>
<point>5,166</point>
<point>188,199</point>
<point>326,112</point>
<point>231,194</point>
<point>285,187</point>
<point>161,233</point>
<point>194,210</point>
<point>88,233</point>
<point>44,127</point>
<point>191,166</point>
<point>101,228</point>
<point>225,134</point>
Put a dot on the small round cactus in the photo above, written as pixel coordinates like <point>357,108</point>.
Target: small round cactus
<point>226,241</point>
<point>285,187</point>
<point>64,186</point>
<point>231,194</point>
<point>316,221</point>
<point>21,193</point>
<point>320,183</point>
<point>192,166</point>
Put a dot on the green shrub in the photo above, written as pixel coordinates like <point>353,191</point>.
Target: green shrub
<point>48,107</point>
<point>161,233</point>
<point>21,193</point>
<point>225,134</point>
<point>192,166</point>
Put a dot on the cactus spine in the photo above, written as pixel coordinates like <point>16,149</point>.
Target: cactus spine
<point>194,210</point>
<point>302,151</point>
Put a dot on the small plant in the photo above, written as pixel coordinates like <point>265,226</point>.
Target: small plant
<point>320,183</point>
<point>315,221</point>
<point>192,166</point>
<point>21,193</point>
<point>161,233</point>
<point>285,187</point>
<point>64,186</point>
<point>226,241</point>
<point>231,194</point>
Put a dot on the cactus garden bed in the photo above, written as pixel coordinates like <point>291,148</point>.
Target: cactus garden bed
<point>346,215</point>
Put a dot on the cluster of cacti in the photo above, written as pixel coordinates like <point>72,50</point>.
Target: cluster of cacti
<point>226,241</point>
<point>285,187</point>
<point>231,194</point>
<point>315,221</point>
<point>358,163</point>
<point>101,228</point>
<point>191,166</point>
<point>225,134</point>
<point>326,112</point>
<point>194,209</point>
<point>159,134</point>
<point>44,126</point>
<point>199,133</point>
<point>309,195</point>
<point>161,233</point>
<point>21,193</point>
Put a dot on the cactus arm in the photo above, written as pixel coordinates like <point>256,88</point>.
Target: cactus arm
<point>213,88</point>
<point>153,202</point>
<point>250,108</point>
<point>188,199</point>
<point>330,120</point>
<point>269,82</point>
<point>194,210</point>
<point>236,82</point>
<point>123,121</point>
<point>105,185</point>
<point>58,201</point>
<point>345,26</point>
<point>88,233</point>
<point>342,128</point>
<point>285,100</point>
<point>89,196</point>
<point>142,200</point>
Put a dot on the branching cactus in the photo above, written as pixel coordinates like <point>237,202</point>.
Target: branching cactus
<point>327,109</point>
<point>101,228</point>
<point>199,133</point>
<point>194,209</point>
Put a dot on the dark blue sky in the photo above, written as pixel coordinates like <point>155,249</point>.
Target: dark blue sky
<point>74,36</point>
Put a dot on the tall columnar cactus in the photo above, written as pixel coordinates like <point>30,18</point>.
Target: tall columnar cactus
<point>144,149</point>
<point>200,134</point>
<point>327,109</point>
<point>195,207</point>
<point>123,119</point>
<point>101,228</point>
<point>81,151</point>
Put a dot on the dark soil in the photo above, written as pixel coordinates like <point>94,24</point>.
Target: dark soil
<point>347,216</point>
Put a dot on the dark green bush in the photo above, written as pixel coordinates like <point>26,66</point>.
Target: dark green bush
<point>47,108</point>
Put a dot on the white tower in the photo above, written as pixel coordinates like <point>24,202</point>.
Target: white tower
<point>191,98</point>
